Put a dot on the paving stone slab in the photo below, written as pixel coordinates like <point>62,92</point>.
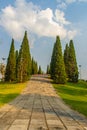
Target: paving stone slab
<point>18,127</point>
<point>4,127</point>
<point>37,128</point>
<point>20,122</point>
<point>24,114</point>
<point>37,115</point>
<point>54,122</point>
<point>37,122</point>
<point>74,128</point>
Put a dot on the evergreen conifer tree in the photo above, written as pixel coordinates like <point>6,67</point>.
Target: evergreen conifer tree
<point>24,60</point>
<point>16,55</point>
<point>52,62</point>
<point>48,69</point>
<point>57,63</point>
<point>11,64</point>
<point>66,54</point>
<point>39,71</point>
<point>72,64</point>
<point>34,67</point>
<point>20,67</point>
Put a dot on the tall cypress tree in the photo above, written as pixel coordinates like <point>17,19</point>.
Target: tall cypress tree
<point>72,64</point>
<point>11,64</point>
<point>48,69</point>
<point>16,55</point>
<point>34,67</point>
<point>52,62</point>
<point>57,63</point>
<point>40,70</point>
<point>20,67</point>
<point>24,60</point>
<point>66,54</point>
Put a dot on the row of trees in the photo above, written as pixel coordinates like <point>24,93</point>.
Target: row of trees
<point>34,68</point>
<point>63,68</point>
<point>19,64</point>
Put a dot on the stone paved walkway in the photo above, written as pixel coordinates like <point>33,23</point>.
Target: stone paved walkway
<point>39,108</point>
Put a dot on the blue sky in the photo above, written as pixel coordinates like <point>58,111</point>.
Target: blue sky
<point>43,20</point>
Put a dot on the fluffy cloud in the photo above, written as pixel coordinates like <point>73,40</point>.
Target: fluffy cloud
<point>27,16</point>
<point>71,1</point>
<point>71,34</point>
<point>64,3</point>
<point>61,18</point>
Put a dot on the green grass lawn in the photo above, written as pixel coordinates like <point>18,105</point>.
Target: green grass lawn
<point>74,94</point>
<point>9,91</point>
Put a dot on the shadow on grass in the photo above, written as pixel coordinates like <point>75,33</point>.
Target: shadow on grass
<point>80,106</point>
<point>5,98</point>
<point>66,89</point>
<point>79,84</point>
<point>2,83</point>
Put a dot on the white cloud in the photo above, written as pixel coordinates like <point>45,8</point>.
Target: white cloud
<point>71,34</point>
<point>32,39</point>
<point>60,17</point>
<point>72,1</point>
<point>62,4</point>
<point>27,16</point>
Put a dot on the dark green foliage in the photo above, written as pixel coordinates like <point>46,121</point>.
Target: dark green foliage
<point>19,66</point>
<point>48,69</point>
<point>11,64</point>
<point>24,60</point>
<point>66,54</point>
<point>34,67</point>
<point>52,62</point>
<point>57,64</point>
<point>39,71</point>
<point>16,55</point>
<point>72,64</point>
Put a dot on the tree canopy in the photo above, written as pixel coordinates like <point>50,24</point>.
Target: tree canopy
<point>24,60</point>
<point>72,64</point>
<point>57,63</point>
<point>10,74</point>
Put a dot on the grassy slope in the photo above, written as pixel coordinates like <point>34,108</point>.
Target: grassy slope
<point>75,95</point>
<point>10,91</point>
